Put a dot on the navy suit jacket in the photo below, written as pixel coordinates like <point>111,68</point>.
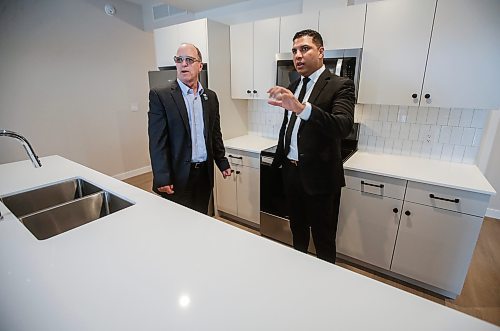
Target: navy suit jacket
<point>170,136</point>
<point>319,138</point>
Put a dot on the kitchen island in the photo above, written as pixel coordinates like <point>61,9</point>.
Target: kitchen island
<point>159,266</point>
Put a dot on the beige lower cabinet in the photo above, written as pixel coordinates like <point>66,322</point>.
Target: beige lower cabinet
<point>422,233</point>
<point>239,195</point>
<point>370,210</point>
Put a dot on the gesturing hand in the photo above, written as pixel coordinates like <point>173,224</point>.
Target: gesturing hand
<point>282,97</point>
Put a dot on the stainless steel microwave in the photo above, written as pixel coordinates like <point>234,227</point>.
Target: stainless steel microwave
<point>342,62</point>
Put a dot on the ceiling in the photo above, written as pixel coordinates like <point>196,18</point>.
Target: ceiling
<point>190,5</point>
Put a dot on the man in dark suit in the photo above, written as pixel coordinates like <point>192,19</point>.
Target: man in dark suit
<point>319,112</point>
<point>184,135</point>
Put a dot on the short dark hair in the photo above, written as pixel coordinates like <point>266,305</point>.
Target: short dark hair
<point>316,36</point>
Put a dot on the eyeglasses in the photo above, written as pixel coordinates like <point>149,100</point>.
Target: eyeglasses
<point>189,60</point>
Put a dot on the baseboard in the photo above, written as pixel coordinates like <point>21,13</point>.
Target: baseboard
<point>493,213</point>
<point>132,173</point>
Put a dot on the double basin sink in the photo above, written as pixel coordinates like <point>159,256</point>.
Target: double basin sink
<point>53,209</point>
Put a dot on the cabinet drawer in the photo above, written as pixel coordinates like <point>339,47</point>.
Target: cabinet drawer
<point>237,157</point>
<point>375,184</point>
<point>461,201</point>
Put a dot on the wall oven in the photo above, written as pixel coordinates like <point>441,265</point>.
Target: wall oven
<point>274,218</point>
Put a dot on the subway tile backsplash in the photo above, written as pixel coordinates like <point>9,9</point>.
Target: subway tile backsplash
<point>446,134</point>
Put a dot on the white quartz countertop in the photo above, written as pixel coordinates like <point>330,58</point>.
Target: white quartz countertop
<point>250,143</point>
<point>454,175</point>
<point>159,266</point>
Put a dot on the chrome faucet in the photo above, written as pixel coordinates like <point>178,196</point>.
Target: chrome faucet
<point>26,145</point>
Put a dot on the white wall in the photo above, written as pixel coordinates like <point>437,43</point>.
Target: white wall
<point>490,154</point>
<point>69,75</point>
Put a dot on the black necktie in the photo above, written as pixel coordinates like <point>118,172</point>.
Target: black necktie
<point>293,117</point>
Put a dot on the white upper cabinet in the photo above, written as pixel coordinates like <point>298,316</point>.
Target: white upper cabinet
<point>397,35</point>
<point>194,32</point>
<point>253,58</point>
<point>265,47</point>
<point>165,45</point>
<point>241,60</point>
<point>343,27</point>
<point>431,53</point>
<point>168,39</point>
<point>463,67</point>
<point>294,23</point>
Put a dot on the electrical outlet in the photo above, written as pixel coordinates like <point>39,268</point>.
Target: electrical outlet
<point>428,138</point>
<point>134,107</point>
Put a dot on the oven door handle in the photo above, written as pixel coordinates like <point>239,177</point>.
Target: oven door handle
<point>266,160</point>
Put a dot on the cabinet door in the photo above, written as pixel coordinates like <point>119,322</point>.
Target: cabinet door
<point>435,246</point>
<point>463,67</point>
<point>165,45</point>
<point>194,32</point>
<point>248,189</point>
<point>342,27</point>
<point>368,233</point>
<point>242,60</point>
<point>291,24</point>
<point>226,193</point>
<point>397,36</point>
<point>266,45</point>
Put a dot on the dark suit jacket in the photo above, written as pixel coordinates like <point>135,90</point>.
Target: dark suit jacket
<point>170,136</point>
<point>319,138</point>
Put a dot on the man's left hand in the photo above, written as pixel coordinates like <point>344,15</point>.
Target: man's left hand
<point>283,97</point>
<point>227,173</point>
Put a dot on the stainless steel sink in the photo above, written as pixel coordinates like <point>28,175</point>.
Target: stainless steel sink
<point>51,210</point>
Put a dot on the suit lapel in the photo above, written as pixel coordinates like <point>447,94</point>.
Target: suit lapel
<point>318,87</point>
<point>206,110</point>
<point>181,106</point>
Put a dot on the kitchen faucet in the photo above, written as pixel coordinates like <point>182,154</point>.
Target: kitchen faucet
<point>26,145</point>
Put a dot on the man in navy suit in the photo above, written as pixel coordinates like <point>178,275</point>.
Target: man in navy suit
<point>185,136</point>
<point>319,112</point>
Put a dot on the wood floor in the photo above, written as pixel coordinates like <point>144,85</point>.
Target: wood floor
<point>480,296</point>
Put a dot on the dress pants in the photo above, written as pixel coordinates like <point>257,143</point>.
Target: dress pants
<point>311,213</point>
<point>196,195</point>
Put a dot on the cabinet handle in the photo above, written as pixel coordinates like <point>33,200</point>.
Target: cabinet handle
<point>427,96</point>
<point>255,91</point>
<point>407,213</point>
<point>238,172</point>
<point>414,95</point>
<point>235,157</point>
<point>248,91</point>
<point>365,183</point>
<point>432,196</point>
<point>395,210</point>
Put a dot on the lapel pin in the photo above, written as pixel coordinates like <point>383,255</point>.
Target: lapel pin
<point>205,97</point>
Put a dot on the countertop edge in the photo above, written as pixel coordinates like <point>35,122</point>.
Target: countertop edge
<point>483,188</point>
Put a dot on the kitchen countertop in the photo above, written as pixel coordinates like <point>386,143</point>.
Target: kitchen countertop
<point>453,175</point>
<point>131,270</point>
<point>250,143</point>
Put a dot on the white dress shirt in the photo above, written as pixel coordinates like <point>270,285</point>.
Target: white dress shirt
<point>195,114</point>
<point>305,114</point>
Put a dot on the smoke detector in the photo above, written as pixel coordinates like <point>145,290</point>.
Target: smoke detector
<point>110,9</point>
